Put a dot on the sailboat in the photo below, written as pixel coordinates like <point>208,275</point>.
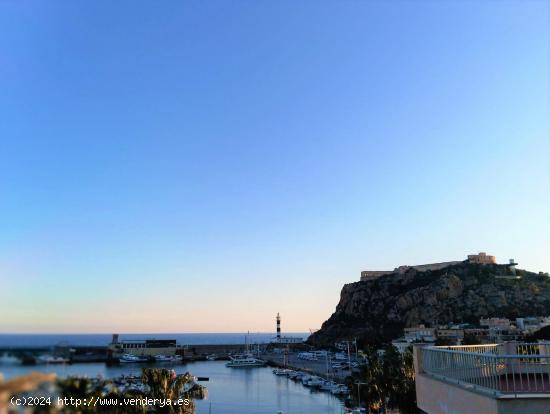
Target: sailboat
<point>245,360</point>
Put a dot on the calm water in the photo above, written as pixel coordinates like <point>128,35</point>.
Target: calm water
<point>24,340</point>
<point>230,391</point>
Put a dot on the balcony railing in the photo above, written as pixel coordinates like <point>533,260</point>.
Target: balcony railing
<point>504,368</point>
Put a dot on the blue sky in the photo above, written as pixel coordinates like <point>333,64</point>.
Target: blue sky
<point>201,166</point>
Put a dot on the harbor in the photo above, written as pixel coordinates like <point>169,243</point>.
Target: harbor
<point>230,390</point>
<point>271,374</point>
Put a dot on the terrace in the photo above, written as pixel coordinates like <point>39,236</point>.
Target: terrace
<point>500,378</point>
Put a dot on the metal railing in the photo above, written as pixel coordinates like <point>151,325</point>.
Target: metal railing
<point>506,368</point>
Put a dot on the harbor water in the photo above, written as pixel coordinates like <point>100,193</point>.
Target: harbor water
<point>230,390</point>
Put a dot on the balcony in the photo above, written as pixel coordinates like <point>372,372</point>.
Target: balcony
<point>497,378</point>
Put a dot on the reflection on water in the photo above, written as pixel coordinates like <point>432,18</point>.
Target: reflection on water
<point>230,390</point>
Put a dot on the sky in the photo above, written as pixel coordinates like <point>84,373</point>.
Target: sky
<point>199,166</point>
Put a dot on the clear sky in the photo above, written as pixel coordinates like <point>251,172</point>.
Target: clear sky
<point>196,166</point>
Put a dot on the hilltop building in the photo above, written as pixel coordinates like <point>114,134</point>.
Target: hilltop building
<point>480,258</point>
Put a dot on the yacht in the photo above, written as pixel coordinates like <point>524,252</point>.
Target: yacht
<point>132,358</point>
<point>281,371</point>
<point>340,390</point>
<point>244,361</point>
<point>314,382</point>
<point>168,358</point>
<point>51,359</point>
<point>328,385</point>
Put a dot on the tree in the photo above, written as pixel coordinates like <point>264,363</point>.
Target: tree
<point>166,385</point>
<point>387,382</point>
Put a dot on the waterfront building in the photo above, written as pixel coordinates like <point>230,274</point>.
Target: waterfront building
<point>142,348</point>
<point>506,378</point>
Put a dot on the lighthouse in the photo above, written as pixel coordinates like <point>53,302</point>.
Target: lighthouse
<point>284,340</point>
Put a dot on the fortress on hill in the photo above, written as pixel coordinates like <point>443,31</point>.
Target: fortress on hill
<point>480,258</point>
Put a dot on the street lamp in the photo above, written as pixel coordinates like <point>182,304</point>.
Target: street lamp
<point>359,383</point>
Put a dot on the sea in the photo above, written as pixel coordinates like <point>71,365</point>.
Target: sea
<point>45,340</point>
<point>230,390</point>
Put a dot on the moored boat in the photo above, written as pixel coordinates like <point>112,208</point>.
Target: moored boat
<point>281,371</point>
<point>340,390</point>
<point>128,358</point>
<point>244,361</point>
<point>168,358</point>
<point>51,359</point>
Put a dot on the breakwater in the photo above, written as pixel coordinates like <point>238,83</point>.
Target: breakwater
<point>82,354</point>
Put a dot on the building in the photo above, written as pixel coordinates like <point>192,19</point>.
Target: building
<point>488,379</point>
<point>499,324</point>
<point>452,335</point>
<point>420,333</point>
<point>375,274</point>
<point>482,258</point>
<point>145,347</point>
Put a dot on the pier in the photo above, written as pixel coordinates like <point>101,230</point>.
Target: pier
<point>83,354</point>
<point>314,367</point>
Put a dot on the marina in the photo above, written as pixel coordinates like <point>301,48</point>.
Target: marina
<point>230,391</point>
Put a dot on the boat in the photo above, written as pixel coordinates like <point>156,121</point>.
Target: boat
<point>314,382</point>
<point>340,390</point>
<point>328,385</point>
<point>244,361</point>
<point>126,358</point>
<point>281,371</point>
<point>51,359</point>
<point>211,357</point>
<point>168,358</point>
<point>294,374</point>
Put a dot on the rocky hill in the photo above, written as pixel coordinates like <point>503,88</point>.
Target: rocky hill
<point>376,311</point>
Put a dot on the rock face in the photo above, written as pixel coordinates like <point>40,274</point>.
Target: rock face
<point>376,311</point>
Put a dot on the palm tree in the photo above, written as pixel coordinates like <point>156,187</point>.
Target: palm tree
<point>387,381</point>
<point>166,385</point>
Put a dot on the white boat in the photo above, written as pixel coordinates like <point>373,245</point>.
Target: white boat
<point>340,390</point>
<point>315,382</point>
<point>168,358</point>
<point>293,375</point>
<point>281,371</point>
<point>328,385</point>
<point>212,357</point>
<point>244,361</point>
<point>126,358</point>
<point>51,359</point>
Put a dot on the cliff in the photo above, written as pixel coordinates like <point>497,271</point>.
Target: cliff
<point>376,311</point>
